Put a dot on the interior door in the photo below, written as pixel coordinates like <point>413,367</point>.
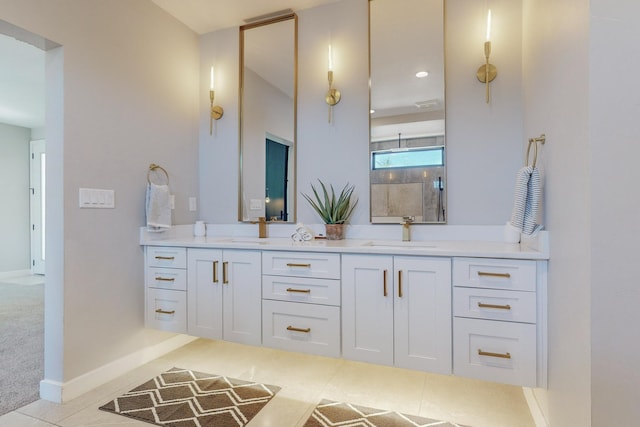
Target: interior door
<point>277,161</point>
<point>37,205</point>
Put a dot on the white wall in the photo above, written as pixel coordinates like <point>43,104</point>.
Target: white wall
<point>14,193</point>
<point>484,142</point>
<point>126,96</point>
<point>556,103</point>
<point>614,127</point>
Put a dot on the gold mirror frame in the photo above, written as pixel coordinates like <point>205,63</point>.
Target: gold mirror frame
<point>253,196</point>
<point>409,116</point>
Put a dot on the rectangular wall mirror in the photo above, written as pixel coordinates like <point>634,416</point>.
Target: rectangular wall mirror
<point>407,121</point>
<point>268,92</point>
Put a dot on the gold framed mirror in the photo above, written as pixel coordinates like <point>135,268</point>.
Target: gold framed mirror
<point>407,122</point>
<point>268,109</point>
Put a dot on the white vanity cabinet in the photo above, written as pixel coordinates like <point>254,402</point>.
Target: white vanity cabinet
<point>165,289</point>
<point>497,336</point>
<point>301,301</point>
<point>472,309</point>
<point>224,295</point>
<point>396,310</point>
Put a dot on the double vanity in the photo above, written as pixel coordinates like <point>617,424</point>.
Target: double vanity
<point>469,308</point>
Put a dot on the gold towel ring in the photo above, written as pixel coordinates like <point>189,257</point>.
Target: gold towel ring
<point>153,167</point>
<point>534,141</point>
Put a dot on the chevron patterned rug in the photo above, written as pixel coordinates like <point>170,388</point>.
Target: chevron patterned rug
<point>181,398</point>
<point>329,414</point>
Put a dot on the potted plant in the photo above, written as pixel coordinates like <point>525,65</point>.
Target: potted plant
<point>333,211</point>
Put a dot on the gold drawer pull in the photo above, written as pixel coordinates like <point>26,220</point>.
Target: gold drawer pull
<point>166,258</point>
<point>292,264</point>
<point>305,330</point>
<point>165,279</point>
<point>399,283</point>
<point>161,311</point>
<point>300,291</point>
<point>384,283</point>
<point>499,307</point>
<point>214,268</point>
<point>486,273</point>
<point>500,355</point>
<point>225,272</point>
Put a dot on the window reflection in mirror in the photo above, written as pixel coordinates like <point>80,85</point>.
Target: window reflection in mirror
<point>407,146</point>
<point>268,60</point>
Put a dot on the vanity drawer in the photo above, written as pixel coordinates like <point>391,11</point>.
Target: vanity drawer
<point>495,273</point>
<point>301,264</point>
<point>492,304</point>
<point>495,351</point>
<point>301,289</point>
<point>167,278</point>
<point>301,327</point>
<point>167,310</point>
<point>160,256</point>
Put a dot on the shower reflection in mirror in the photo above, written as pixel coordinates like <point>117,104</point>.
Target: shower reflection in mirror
<point>407,111</point>
<point>407,179</point>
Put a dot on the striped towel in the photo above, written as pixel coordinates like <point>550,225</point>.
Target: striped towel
<point>527,199</point>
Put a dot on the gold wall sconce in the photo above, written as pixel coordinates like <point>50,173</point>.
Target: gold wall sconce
<point>216,111</point>
<point>487,72</point>
<point>333,95</point>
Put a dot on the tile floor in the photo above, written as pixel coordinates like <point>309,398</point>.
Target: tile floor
<point>305,380</point>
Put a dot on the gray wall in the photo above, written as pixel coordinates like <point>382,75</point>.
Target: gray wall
<point>122,93</point>
<point>14,193</point>
<point>484,142</point>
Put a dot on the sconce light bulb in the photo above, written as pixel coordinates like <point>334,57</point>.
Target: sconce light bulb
<point>330,59</point>
<point>489,25</point>
<point>212,80</point>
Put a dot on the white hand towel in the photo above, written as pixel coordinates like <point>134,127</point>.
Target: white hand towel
<point>526,201</point>
<point>158,207</point>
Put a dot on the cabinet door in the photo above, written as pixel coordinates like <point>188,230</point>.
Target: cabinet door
<point>422,313</point>
<point>242,282</point>
<point>367,308</point>
<point>204,293</point>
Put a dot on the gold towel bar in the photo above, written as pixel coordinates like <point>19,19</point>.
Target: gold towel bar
<point>534,141</point>
<point>153,167</point>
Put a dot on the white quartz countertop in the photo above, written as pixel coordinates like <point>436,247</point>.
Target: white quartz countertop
<point>449,248</point>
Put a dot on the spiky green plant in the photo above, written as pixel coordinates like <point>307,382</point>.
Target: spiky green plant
<point>330,209</point>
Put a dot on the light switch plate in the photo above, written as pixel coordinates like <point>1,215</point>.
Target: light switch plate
<point>255,204</point>
<point>193,204</point>
<point>95,198</point>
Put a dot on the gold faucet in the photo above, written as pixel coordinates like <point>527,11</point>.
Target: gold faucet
<point>262,227</point>
<point>406,231</point>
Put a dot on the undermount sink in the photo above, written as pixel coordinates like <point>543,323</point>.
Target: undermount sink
<point>403,245</point>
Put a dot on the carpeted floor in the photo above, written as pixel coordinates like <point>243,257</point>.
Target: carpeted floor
<point>181,398</point>
<point>21,343</point>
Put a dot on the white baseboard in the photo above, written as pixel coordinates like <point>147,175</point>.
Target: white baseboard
<point>58,392</point>
<point>536,412</point>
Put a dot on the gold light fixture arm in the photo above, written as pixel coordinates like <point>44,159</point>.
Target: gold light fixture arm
<point>333,95</point>
<point>216,111</point>
<point>487,72</point>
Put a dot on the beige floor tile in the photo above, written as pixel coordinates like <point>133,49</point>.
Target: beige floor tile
<point>376,386</point>
<point>474,402</point>
<point>16,419</point>
<point>285,409</point>
<point>304,381</point>
<point>55,413</point>
<point>93,417</point>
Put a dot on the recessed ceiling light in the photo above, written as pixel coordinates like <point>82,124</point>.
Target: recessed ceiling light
<point>422,74</point>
